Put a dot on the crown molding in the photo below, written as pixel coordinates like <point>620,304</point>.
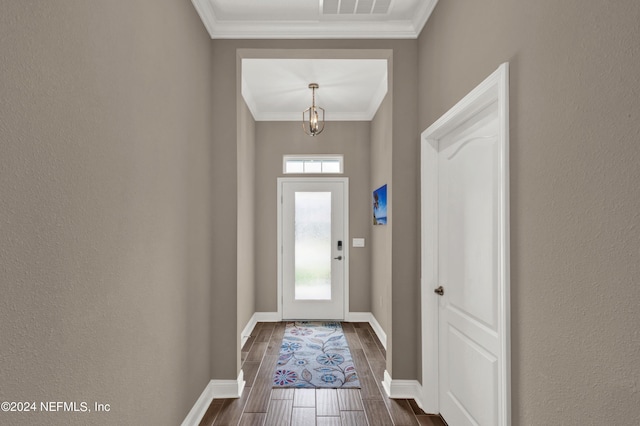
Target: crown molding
<point>423,14</point>
<point>399,29</point>
<point>206,13</point>
<point>377,98</point>
<point>247,95</point>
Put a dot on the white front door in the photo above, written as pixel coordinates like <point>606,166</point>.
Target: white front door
<point>466,258</point>
<point>314,248</point>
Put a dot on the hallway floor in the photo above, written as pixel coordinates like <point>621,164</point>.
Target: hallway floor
<point>262,405</point>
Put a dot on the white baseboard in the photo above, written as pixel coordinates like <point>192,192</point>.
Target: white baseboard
<point>371,319</point>
<point>358,317</point>
<point>216,389</point>
<point>256,318</point>
<point>200,408</point>
<point>228,388</point>
<point>402,389</point>
<point>382,336</point>
<point>268,316</point>
<point>246,331</point>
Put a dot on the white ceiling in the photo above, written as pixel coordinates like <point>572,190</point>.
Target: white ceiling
<point>306,19</point>
<point>278,89</point>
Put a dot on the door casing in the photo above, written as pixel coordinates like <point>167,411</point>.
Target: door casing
<point>280,248</point>
<point>493,89</point>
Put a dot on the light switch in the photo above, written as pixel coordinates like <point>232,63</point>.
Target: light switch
<point>358,242</point>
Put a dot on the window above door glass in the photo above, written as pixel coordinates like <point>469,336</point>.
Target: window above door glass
<point>317,164</point>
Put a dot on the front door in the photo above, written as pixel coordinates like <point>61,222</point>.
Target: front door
<point>314,248</point>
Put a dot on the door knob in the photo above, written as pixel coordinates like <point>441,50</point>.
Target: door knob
<point>439,291</point>
<point>338,258</point>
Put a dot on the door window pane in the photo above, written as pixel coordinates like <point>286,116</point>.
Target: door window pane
<point>294,166</point>
<point>313,245</point>
<point>331,166</point>
<point>313,167</point>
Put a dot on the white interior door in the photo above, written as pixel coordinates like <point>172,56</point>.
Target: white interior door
<point>465,259</point>
<point>469,197</point>
<point>314,248</point>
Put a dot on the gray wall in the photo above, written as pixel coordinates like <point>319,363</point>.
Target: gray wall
<point>105,208</point>
<point>246,217</point>
<point>575,193</point>
<point>381,253</point>
<point>275,139</point>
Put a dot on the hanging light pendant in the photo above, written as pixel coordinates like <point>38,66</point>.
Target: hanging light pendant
<point>312,123</point>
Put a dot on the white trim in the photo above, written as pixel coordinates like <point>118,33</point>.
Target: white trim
<point>207,14</point>
<point>493,89</point>
<point>256,318</point>
<point>378,97</point>
<point>314,30</point>
<point>199,408</point>
<point>373,322</point>
<point>386,383</point>
<point>406,389</point>
<point>279,194</point>
<point>309,30</point>
<point>358,317</point>
<point>382,336</point>
<point>279,249</point>
<point>228,388</point>
<point>246,331</point>
<point>420,19</point>
<point>268,316</point>
<point>402,389</point>
<point>215,389</point>
<point>347,29</point>
<point>247,95</point>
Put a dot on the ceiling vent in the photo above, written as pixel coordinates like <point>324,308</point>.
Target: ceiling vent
<point>355,7</point>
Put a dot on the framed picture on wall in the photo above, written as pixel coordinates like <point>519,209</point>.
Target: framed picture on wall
<point>380,206</point>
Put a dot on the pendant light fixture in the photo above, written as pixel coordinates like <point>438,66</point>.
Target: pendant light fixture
<point>312,123</point>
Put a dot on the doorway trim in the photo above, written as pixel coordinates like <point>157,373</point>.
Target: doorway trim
<point>280,247</point>
<point>494,88</point>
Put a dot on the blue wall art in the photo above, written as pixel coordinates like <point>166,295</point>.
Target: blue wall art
<point>380,206</point>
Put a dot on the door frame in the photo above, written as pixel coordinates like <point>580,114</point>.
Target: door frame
<point>345,245</point>
<point>494,88</point>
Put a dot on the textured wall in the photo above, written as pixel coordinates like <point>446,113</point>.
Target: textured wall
<point>225,351</point>
<point>381,253</point>
<point>275,139</point>
<point>405,238</point>
<point>104,207</point>
<point>575,193</point>
<point>246,217</point>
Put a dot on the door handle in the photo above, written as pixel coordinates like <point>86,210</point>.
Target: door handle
<point>338,258</point>
<point>439,291</point>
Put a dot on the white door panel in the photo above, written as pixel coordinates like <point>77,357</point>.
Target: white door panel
<point>468,202</point>
<point>314,248</point>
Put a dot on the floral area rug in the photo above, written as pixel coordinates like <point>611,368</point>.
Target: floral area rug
<point>315,355</point>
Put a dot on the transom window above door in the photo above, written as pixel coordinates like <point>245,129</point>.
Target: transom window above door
<point>304,164</point>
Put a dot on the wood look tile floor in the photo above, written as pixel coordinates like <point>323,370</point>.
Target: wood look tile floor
<point>260,405</point>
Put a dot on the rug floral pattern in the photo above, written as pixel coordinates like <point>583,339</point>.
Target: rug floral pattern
<point>315,355</point>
